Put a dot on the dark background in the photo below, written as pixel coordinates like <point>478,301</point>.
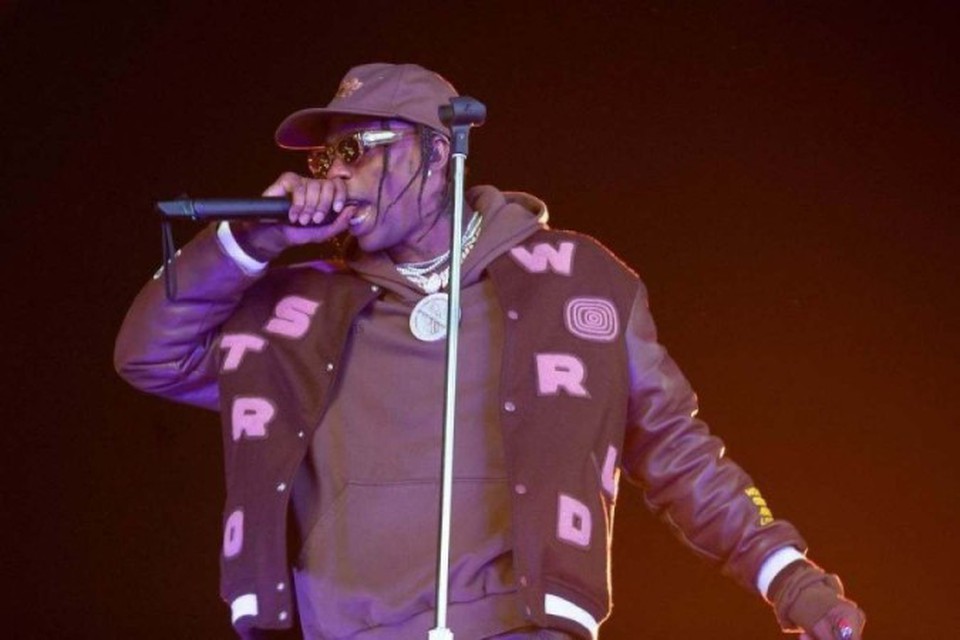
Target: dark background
<point>781,174</point>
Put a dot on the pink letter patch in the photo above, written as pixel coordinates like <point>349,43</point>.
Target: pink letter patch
<point>233,534</point>
<point>557,371</point>
<point>250,416</point>
<point>593,319</point>
<point>610,475</point>
<point>291,317</point>
<point>237,345</point>
<point>574,523</point>
<point>544,257</point>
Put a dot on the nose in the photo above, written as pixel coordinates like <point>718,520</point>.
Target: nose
<point>339,169</point>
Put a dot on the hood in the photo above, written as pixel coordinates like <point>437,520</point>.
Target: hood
<point>509,217</point>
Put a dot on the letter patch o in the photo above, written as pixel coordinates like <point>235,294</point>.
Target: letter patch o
<point>233,534</point>
<point>593,319</point>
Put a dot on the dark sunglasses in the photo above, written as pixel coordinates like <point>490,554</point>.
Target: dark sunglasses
<point>349,149</point>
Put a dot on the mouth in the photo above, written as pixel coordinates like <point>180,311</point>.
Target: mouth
<point>362,212</point>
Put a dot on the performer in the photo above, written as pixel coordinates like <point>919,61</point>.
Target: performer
<point>329,380</point>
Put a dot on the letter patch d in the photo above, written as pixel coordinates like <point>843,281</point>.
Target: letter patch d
<point>574,522</point>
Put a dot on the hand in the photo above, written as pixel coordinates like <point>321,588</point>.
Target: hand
<point>843,622</point>
<point>312,202</point>
<point>812,601</point>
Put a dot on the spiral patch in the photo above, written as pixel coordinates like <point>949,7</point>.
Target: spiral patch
<point>593,319</point>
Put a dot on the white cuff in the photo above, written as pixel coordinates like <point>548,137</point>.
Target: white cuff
<point>775,563</point>
<point>245,605</point>
<point>557,606</point>
<point>242,258</point>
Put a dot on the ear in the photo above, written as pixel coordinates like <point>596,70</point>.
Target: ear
<point>439,152</point>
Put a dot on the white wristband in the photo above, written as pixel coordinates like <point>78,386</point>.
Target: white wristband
<point>245,261</point>
<point>775,563</point>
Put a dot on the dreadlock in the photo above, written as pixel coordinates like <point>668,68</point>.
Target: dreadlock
<point>426,136</point>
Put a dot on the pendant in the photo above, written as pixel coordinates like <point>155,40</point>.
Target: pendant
<point>433,283</point>
<point>428,320</point>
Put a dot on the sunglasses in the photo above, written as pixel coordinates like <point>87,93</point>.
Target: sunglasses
<point>349,149</point>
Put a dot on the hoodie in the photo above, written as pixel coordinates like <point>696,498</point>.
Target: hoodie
<point>366,501</point>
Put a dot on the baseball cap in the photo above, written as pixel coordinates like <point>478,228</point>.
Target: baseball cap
<point>403,91</point>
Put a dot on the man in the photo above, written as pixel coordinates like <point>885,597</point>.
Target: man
<point>329,378</point>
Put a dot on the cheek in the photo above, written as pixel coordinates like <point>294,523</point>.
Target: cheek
<point>406,162</point>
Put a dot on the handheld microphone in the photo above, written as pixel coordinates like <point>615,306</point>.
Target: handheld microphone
<point>264,209</point>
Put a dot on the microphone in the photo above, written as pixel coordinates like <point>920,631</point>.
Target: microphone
<point>272,209</point>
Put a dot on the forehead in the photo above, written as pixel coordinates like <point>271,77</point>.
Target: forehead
<point>345,125</point>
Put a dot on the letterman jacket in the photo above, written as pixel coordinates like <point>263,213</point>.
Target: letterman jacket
<point>586,391</point>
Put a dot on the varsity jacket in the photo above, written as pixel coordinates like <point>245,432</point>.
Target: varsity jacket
<point>586,391</point>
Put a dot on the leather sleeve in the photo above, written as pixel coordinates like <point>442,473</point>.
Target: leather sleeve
<point>168,348</point>
<point>708,500</point>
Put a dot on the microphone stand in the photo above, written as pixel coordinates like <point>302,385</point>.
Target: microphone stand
<point>461,114</point>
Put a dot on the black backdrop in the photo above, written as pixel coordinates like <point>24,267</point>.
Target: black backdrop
<point>782,175</point>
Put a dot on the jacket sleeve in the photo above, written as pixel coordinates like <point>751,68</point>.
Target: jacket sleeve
<point>710,503</point>
<point>169,348</point>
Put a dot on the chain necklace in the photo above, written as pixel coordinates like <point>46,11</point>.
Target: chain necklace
<point>425,275</point>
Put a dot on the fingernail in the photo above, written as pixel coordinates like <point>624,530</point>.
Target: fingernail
<point>338,206</point>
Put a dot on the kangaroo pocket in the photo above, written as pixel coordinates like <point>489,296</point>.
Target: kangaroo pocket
<point>370,560</point>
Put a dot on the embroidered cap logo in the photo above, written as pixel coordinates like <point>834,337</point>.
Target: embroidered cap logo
<point>348,87</point>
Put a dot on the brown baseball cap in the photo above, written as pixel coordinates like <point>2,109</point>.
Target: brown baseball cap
<point>403,91</point>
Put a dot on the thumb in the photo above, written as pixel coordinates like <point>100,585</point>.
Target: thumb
<point>276,189</point>
<point>284,185</point>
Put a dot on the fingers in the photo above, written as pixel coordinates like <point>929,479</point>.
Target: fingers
<point>297,234</point>
<point>842,623</point>
<point>314,200</point>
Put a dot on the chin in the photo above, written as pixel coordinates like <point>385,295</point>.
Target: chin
<point>369,243</point>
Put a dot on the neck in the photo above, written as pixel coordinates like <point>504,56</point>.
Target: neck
<point>430,243</point>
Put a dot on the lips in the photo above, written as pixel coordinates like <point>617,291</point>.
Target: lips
<point>363,213</point>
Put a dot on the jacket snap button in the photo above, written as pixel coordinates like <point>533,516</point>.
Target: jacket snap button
<point>509,406</point>
<point>520,488</point>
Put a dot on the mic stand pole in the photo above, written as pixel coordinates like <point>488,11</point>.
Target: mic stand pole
<point>461,114</point>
